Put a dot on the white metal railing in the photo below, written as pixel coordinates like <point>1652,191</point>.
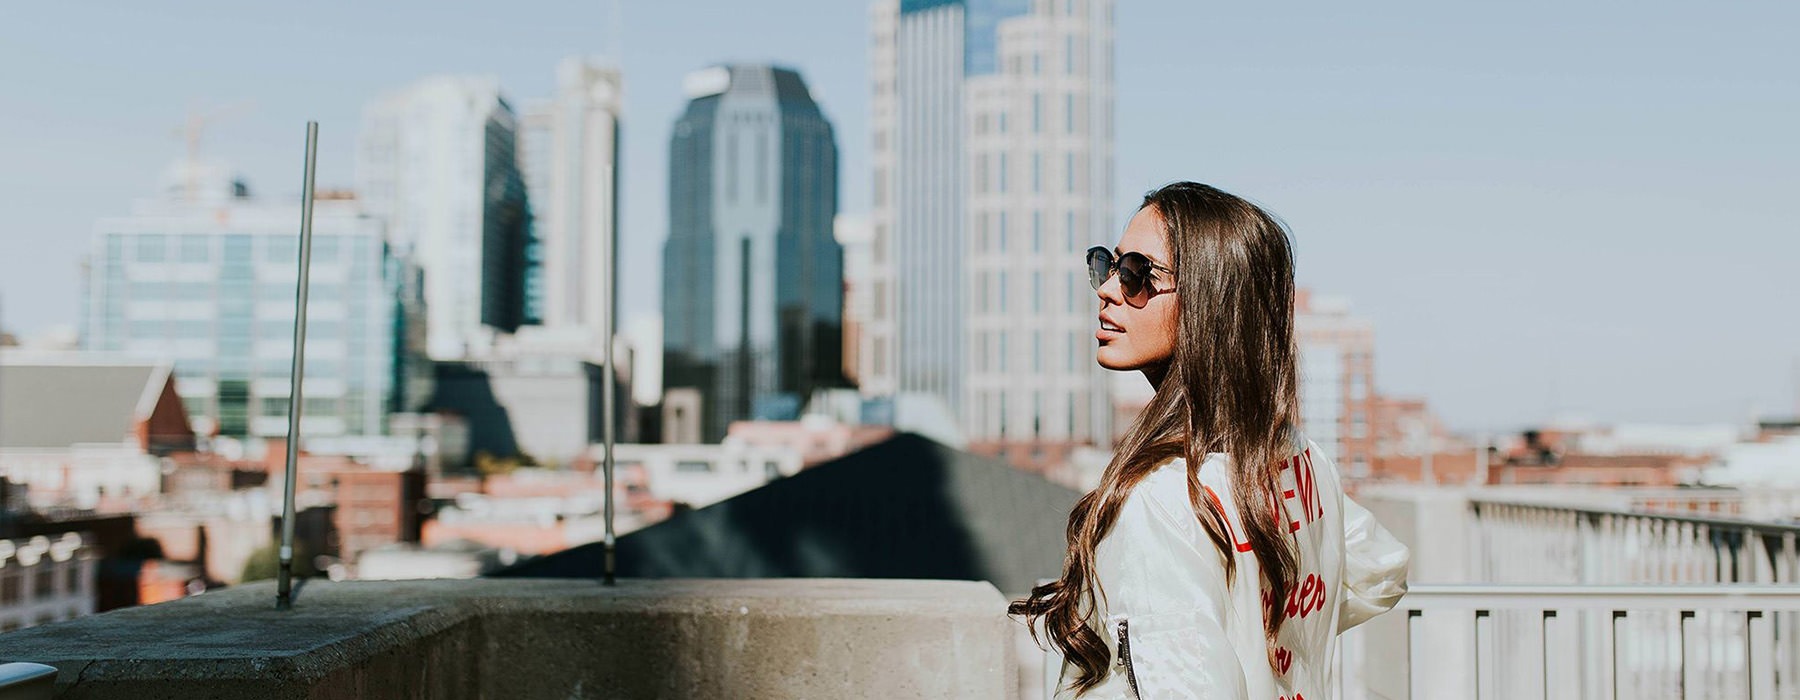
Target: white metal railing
<point>1536,543</point>
<point>1572,642</point>
<point>1580,642</point>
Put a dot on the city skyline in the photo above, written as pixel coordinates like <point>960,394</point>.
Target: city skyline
<point>1516,224</point>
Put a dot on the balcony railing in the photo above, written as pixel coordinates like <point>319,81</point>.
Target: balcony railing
<point>1586,642</point>
<point>1546,543</point>
<point>1590,642</point>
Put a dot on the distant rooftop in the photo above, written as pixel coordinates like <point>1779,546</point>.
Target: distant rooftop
<point>904,508</point>
<point>52,404</point>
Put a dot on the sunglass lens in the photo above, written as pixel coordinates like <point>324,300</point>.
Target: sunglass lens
<point>1132,268</point>
<point>1099,262</point>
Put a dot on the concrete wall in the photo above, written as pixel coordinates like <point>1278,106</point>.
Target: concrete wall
<point>769,638</point>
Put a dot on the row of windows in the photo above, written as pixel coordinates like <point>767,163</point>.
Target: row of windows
<point>993,233</point>
<point>1073,109</point>
<point>203,248</point>
<point>992,294</point>
<point>991,414</point>
<point>996,180</point>
<point>992,350</point>
<point>1071,55</point>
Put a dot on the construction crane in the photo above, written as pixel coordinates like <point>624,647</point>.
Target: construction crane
<point>197,122</point>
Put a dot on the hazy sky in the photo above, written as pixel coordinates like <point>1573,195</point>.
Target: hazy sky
<point>1545,207</point>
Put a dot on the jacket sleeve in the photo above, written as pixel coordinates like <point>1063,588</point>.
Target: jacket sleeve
<point>1375,565</point>
<point>1166,600</point>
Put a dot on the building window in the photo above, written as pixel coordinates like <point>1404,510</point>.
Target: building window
<point>1069,172</point>
<point>1074,355</point>
<point>1037,112</point>
<point>1037,172</point>
<point>1069,230</point>
<point>1002,236</point>
<point>1037,293</point>
<point>1000,365</point>
<point>1069,113</point>
<point>1037,64</point>
<point>195,249</point>
<point>1003,172</point>
<point>1037,231</point>
<point>152,248</point>
<point>1001,298</point>
<point>981,173</point>
<point>1069,54</point>
<point>1037,352</point>
<point>693,466</point>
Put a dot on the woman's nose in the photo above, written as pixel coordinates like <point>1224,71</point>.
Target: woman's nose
<point>1109,291</point>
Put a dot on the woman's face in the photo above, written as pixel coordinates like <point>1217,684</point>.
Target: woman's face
<point>1139,333</point>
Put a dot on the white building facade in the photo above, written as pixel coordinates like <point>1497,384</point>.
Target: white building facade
<point>436,160</point>
<point>993,174</point>
<point>569,153</point>
<point>207,281</point>
<point>45,580</point>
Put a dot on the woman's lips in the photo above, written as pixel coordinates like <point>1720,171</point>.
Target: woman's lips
<point>1108,330</point>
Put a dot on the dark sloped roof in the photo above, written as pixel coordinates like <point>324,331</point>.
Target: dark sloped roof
<point>53,406</point>
<point>903,508</point>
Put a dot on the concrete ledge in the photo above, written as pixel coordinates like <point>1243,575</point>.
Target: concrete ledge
<point>522,638</point>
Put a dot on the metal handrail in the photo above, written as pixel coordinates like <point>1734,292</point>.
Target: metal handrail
<point>1763,526</point>
<point>1711,596</point>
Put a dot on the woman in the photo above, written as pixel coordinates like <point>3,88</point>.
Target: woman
<point>1219,557</point>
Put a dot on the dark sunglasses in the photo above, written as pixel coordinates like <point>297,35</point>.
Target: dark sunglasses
<point>1135,273</point>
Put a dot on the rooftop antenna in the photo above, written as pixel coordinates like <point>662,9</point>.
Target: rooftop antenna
<point>285,574</point>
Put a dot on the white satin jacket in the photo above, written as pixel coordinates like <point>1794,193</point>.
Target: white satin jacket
<point>1177,630</point>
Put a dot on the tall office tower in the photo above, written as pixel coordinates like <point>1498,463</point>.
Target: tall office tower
<point>753,279</point>
<point>1338,401</point>
<point>569,147</point>
<point>437,160</point>
<point>992,149</point>
<point>205,276</point>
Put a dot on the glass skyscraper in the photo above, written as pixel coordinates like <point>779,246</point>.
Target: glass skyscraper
<point>753,279</point>
<point>205,276</point>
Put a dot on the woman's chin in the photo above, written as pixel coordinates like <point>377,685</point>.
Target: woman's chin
<point>1116,359</point>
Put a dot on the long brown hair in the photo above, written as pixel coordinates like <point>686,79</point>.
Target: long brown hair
<point>1230,387</point>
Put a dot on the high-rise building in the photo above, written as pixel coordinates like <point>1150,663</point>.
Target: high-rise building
<point>753,279</point>
<point>1338,402</point>
<point>205,277</point>
<point>569,150</point>
<point>852,234</point>
<point>992,149</point>
<point>438,161</point>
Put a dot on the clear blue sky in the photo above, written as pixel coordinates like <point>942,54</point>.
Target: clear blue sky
<point>1545,207</point>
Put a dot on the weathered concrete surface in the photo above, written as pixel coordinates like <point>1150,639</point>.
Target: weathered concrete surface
<point>512,638</point>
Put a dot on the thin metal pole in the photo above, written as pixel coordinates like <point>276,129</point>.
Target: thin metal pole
<point>284,577</point>
<point>607,246</point>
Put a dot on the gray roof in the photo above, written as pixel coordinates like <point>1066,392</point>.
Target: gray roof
<point>904,508</point>
<point>46,405</point>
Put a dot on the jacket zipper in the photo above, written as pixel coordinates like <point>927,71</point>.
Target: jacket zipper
<point>1125,655</point>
